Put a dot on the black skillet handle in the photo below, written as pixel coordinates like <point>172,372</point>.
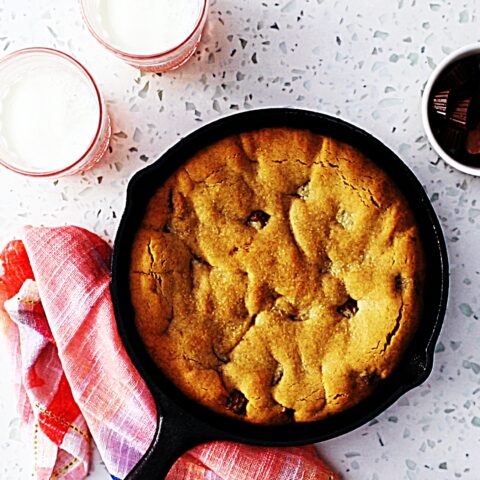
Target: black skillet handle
<point>176,433</point>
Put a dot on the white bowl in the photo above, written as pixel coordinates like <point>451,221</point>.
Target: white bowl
<point>464,52</point>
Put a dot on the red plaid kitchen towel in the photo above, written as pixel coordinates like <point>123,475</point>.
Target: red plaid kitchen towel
<point>75,380</point>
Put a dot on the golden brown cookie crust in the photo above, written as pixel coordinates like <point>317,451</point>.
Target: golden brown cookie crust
<point>277,276</point>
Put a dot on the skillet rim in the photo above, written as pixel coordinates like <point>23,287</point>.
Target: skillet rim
<point>417,362</point>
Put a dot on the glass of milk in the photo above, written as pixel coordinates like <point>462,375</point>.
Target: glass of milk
<point>53,120</point>
<point>152,35</point>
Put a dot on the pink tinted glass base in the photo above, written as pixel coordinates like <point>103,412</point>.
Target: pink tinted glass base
<point>98,152</point>
<point>171,65</point>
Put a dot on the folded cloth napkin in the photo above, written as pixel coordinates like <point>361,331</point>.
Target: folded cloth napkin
<point>74,379</point>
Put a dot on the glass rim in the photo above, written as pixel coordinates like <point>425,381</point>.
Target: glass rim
<point>101,113</point>
<point>136,56</point>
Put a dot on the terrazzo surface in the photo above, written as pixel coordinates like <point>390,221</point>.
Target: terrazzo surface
<point>365,62</point>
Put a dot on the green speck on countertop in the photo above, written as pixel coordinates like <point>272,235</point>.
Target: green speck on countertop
<point>143,92</point>
<point>352,454</point>
<point>466,309</point>
<point>463,17</point>
<point>443,466</point>
<point>471,366</point>
<point>410,464</point>
<point>431,63</point>
<point>476,421</point>
<point>440,347</point>
<point>473,213</point>
<point>381,35</point>
<point>455,345</point>
<point>452,192</point>
<point>412,58</point>
<point>434,197</point>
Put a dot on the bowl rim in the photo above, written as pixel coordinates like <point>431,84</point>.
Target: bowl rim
<point>463,52</point>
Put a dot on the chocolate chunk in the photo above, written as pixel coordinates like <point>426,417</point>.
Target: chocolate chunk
<point>221,357</point>
<point>473,141</point>
<point>237,402</point>
<point>464,113</point>
<point>461,74</point>
<point>369,379</point>
<point>453,140</point>
<point>199,259</point>
<point>289,413</point>
<point>326,266</point>
<point>303,191</point>
<point>277,375</point>
<point>398,283</point>
<point>258,219</point>
<point>348,309</point>
<point>289,311</point>
<point>442,101</point>
<point>297,318</point>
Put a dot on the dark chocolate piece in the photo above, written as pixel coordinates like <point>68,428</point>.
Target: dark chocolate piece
<point>442,101</point>
<point>237,402</point>
<point>258,219</point>
<point>453,140</point>
<point>349,308</point>
<point>462,73</point>
<point>473,141</point>
<point>464,113</point>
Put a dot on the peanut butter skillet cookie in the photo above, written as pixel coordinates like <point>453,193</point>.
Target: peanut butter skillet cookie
<point>277,276</point>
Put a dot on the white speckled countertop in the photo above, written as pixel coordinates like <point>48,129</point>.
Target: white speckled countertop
<point>364,61</point>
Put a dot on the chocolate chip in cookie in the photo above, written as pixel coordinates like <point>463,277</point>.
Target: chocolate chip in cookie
<point>258,219</point>
<point>237,402</point>
<point>349,308</point>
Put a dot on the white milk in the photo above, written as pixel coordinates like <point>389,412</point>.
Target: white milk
<point>49,113</point>
<point>147,27</point>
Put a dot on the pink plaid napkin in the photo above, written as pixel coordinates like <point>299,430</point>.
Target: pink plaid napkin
<point>75,381</point>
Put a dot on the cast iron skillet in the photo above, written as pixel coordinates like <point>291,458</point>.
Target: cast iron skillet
<point>185,423</point>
